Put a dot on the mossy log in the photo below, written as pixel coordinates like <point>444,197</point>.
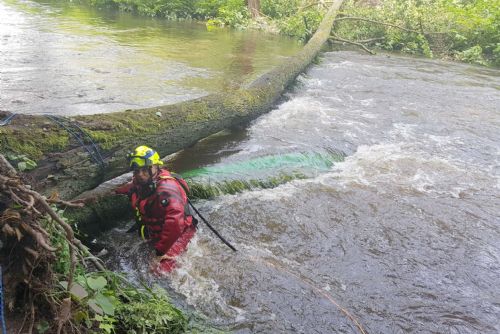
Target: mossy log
<point>65,167</point>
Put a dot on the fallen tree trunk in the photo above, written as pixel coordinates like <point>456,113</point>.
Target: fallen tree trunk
<point>65,165</point>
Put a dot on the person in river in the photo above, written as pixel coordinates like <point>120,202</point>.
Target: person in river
<point>159,200</point>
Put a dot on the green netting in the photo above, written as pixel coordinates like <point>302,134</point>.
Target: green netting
<point>271,164</point>
<point>261,172</point>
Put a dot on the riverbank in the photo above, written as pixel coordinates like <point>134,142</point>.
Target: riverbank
<point>454,30</point>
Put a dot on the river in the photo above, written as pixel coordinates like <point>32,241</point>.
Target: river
<point>63,58</point>
<point>400,236</point>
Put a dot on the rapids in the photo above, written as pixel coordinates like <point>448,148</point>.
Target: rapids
<point>402,235</point>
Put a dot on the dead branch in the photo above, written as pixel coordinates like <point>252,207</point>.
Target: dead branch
<point>7,167</point>
<point>371,40</point>
<point>32,324</point>
<point>64,314</point>
<point>72,204</point>
<point>32,252</point>
<point>335,38</point>
<point>18,199</point>
<point>377,22</point>
<point>92,258</point>
<point>63,224</point>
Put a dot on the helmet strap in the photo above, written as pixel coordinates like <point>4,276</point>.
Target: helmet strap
<point>152,183</point>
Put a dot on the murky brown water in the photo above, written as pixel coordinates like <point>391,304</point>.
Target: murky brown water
<point>404,234</point>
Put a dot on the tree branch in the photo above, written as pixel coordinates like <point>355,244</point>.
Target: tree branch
<point>376,22</point>
<point>7,167</point>
<point>322,3</point>
<point>335,38</point>
<point>70,237</point>
<point>371,40</point>
<point>72,204</point>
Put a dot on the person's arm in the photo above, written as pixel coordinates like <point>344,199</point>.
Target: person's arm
<point>125,189</point>
<point>173,220</point>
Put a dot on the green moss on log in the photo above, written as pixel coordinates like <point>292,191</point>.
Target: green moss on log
<point>33,139</point>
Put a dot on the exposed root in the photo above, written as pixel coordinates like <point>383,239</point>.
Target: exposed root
<point>28,250</point>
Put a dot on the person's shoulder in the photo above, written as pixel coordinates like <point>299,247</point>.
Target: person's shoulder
<point>165,176</point>
<point>166,181</point>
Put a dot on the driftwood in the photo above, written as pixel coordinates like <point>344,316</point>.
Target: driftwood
<point>64,166</point>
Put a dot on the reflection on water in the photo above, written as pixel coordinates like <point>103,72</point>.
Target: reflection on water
<point>65,58</point>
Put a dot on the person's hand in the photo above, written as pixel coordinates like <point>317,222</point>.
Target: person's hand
<point>165,257</point>
<point>157,259</point>
<point>155,263</point>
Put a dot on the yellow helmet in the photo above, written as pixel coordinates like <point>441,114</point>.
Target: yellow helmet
<point>143,156</point>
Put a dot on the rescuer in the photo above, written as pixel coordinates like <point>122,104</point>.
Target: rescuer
<point>160,205</point>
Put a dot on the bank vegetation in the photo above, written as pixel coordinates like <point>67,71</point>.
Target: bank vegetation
<point>461,30</point>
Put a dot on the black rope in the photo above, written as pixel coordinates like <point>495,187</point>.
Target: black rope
<point>94,145</point>
<point>7,119</point>
<point>77,134</point>
<point>211,228</point>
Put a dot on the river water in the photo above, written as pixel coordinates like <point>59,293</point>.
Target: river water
<point>401,236</point>
<point>63,58</point>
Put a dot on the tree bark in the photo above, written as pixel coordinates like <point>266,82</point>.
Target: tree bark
<point>254,8</point>
<point>65,166</point>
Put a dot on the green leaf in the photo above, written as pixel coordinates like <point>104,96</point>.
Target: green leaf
<point>21,166</point>
<point>64,284</point>
<point>108,328</point>
<point>81,279</point>
<point>96,284</point>
<point>42,327</point>
<point>80,316</point>
<point>94,307</point>
<point>105,303</point>
<point>11,156</point>
<point>30,164</point>
<point>78,291</point>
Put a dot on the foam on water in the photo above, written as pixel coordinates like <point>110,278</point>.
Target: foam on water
<point>199,290</point>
